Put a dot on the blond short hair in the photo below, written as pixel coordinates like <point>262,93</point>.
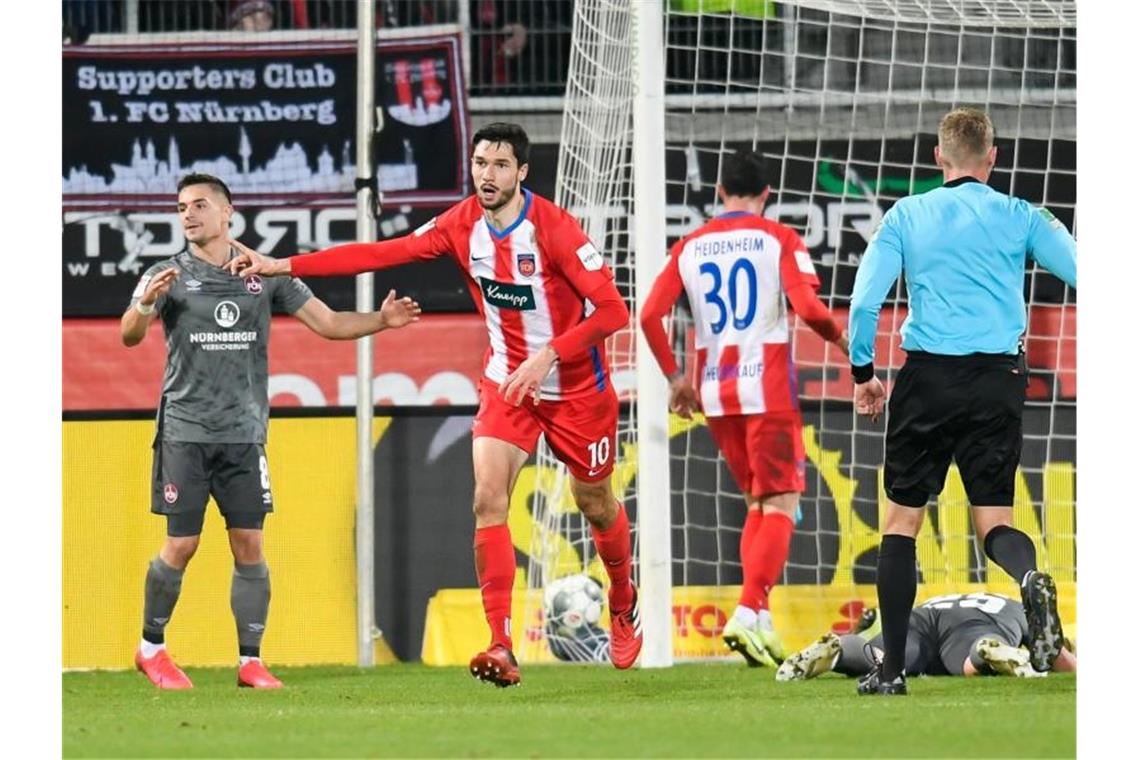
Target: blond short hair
<point>965,136</point>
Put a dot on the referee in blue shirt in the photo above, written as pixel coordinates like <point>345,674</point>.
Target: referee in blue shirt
<point>963,249</point>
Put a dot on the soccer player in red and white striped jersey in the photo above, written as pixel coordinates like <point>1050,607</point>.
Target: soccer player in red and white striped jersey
<point>549,302</point>
<point>736,271</point>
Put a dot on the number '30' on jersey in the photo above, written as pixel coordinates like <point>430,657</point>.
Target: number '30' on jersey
<point>735,270</point>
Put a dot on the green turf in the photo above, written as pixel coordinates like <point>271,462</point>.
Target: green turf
<point>568,711</point>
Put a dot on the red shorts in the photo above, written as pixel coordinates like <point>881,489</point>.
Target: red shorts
<point>764,452</point>
<point>581,432</point>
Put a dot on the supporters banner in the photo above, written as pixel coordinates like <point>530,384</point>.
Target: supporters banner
<point>275,120</point>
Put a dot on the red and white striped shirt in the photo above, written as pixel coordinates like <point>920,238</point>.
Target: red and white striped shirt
<point>736,270</point>
<point>535,283</point>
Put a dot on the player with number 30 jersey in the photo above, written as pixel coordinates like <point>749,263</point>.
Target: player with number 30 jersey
<point>736,271</point>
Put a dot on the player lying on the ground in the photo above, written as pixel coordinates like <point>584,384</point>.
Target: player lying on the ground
<point>953,635</point>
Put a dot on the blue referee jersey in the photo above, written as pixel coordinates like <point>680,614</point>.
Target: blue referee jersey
<point>963,248</point>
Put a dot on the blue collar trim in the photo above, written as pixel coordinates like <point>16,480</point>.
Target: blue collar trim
<point>522,215</point>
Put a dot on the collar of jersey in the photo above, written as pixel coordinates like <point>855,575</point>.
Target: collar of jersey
<point>513,225</point>
<point>735,214</point>
<point>202,262</point>
<point>962,181</point>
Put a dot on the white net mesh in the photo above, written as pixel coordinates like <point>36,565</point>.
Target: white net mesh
<point>594,171</point>
<point>843,99</point>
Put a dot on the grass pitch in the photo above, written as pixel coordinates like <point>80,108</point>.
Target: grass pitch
<point>563,711</point>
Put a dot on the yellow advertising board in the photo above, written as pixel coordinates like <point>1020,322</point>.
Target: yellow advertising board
<point>109,536</point>
<point>456,630</point>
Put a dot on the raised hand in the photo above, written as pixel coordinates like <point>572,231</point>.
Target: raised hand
<point>158,285</point>
<point>250,262</point>
<point>397,312</point>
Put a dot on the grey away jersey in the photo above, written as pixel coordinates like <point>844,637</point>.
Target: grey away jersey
<point>215,388</point>
<point>944,616</point>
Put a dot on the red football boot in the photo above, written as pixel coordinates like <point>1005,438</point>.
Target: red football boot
<point>254,675</point>
<point>625,635</point>
<point>497,665</point>
<point>162,671</point>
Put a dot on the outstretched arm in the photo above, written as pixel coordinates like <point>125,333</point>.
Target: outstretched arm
<point>349,325</point>
<point>351,258</point>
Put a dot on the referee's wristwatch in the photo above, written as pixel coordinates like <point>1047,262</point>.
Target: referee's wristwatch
<point>863,372</point>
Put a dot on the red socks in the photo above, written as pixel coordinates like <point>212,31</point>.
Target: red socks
<point>751,526</point>
<point>495,568</point>
<point>764,557</point>
<point>614,548</point>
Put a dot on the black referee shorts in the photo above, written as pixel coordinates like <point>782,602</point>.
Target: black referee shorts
<point>965,408</point>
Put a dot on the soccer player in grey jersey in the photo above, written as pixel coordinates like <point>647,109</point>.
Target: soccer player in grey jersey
<point>213,414</point>
<point>952,635</point>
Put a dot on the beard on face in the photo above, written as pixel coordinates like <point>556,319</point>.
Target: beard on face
<point>505,197</point>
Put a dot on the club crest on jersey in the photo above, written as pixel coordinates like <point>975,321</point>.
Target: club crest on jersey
<point>170,493</point>
<point>525,262</point>
<point>226,314</point>
<point>253,285</point>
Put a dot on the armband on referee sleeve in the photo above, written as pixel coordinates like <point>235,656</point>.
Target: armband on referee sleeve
<point>862,372</point>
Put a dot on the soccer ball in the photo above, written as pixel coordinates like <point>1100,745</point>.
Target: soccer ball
<point>572,602</point>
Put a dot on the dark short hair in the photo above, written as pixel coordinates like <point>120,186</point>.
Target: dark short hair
<point>503,132</point>
<point>205,179</point>
<point>744,173</point>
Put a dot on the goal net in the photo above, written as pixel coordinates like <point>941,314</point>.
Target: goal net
<point>843,99</point>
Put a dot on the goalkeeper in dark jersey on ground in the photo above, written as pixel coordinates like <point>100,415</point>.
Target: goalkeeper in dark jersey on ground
<point>952,635</point>
<point>213,414</point>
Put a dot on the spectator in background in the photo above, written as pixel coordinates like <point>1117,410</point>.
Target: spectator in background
<point>520,46</point>
<point>82,19</point>
<point>251,15</point>
<point>497,41</point>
